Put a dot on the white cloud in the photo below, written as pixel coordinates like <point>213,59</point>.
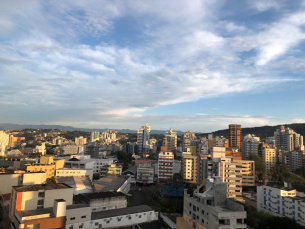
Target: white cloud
<point>263,5</point>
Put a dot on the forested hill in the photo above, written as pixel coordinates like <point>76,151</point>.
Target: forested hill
<point>265,131</point>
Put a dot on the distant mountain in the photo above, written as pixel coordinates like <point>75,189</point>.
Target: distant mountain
<point>11,126</point>
<point>265,131</point>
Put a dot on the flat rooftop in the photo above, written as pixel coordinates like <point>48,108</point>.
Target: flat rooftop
<point>37,187</point>
<point>120,212</point>
<point>109,183</point>
<point>86,197</point>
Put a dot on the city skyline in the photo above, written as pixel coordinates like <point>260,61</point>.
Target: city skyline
<point>198,65</point>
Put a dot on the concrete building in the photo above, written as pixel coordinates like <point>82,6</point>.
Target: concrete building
<point>48,218</point>
<point>288,140</point>
<point>189,168</point>
<point>48,169</point>
<point>113,184</point>
<point>123,217</point>
<point>99,163</point>
<point>8,180</point>
<point>145,173</point>
<point>211,209</point>
<point>269,157</point>
<point>293,159</point>
<point>81,164</point>
<point>113,169</point>
<point>235,135</point>
<point>95,135</point>
<point>41,149</point>
<point>4,142</point>
<point>282,202</point>
<point>108,136</point>
<point>170,140</point>
<point>143,137</point>
<point>80,141</point>
<point>165,166</point>
<point>15,141</point>
<point>67,172</point>
<point>187,138</point>
<point>249,145</point>
<point>72,149</point>
<point>102,201</point>
<point>32,197</point>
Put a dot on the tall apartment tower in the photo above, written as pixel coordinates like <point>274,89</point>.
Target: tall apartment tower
<point>288,140</point>
<point>235,135</point>
<point>166,166</point>
<point>187,138</point>
<point>170,140</point>
<point>143,136</point>
<point>249,145</point>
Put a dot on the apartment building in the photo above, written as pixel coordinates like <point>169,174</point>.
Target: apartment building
<point>32,197</point>
<point>68,172</point>
<point>189,168</point>
<point>293,159</point>
<point>165,166</point>
<point>288,140</point>
<point>269,157</point>
<point>48,169</point>
<point>282,202</point>
<point>211,209</point>
<point>187,138</point>
<point>143,136</point>
<point>145,173</point>
<point>235,135</point>
<point>249,145</point>
<point>4,142</point>
<point>170,140</point>
<point>80,141</point>
<point>112,169</point>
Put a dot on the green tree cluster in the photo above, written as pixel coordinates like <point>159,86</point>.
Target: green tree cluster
<point>260,170</point>
<point>124,157</point>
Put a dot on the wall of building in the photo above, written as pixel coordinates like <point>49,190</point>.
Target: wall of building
<point>7,181</point>
<point>51,195</point>
<point>34,178</point>
<point>108,203</point>
<point>48,223</point>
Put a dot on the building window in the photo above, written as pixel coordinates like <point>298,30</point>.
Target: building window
<point>81,226</point>
<point>71,227</point>
<point>40,202</point>
<point>73,218</point>
<point>41,194</point>
<point>83,217</point>
<point>96,223</point>
<point>202,211</point>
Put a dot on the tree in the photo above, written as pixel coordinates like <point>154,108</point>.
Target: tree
<point>51,180</point>
<point>260,170</point>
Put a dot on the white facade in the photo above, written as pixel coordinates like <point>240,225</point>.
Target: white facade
<point>143,137</point>
<point>282,202</point>
<point>68,172</point>
<point>72,149</point>
<point>145,173</point>
<point>100,163</point>
<point>288,140</point>
<point>170,140</point>
<point>83,164</point>
<point>218,152</point>
<point>249,145</point>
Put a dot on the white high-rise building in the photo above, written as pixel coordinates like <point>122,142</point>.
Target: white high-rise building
<point>288,140</point>
<point>4,142</point>
<point>95,136</point>
<point>249,145</point>
<point>143,136</point>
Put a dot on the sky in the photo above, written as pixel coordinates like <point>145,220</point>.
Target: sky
<point>190,65</point>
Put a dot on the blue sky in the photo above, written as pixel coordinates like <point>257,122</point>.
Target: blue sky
<point>190,65</point>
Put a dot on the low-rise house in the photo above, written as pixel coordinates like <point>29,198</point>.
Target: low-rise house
<point>113,184</point>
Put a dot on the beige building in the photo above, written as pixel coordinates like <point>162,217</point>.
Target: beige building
<point>4,142</point>
<point>48,169</point>
<point>80,141</point>
<point>8,180</point>
<point>32,197</point>
<point>165,166</point>
<point>189,168</point>
<point>269,157</point>
<point>68,172</point>
<point>145,173</point>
